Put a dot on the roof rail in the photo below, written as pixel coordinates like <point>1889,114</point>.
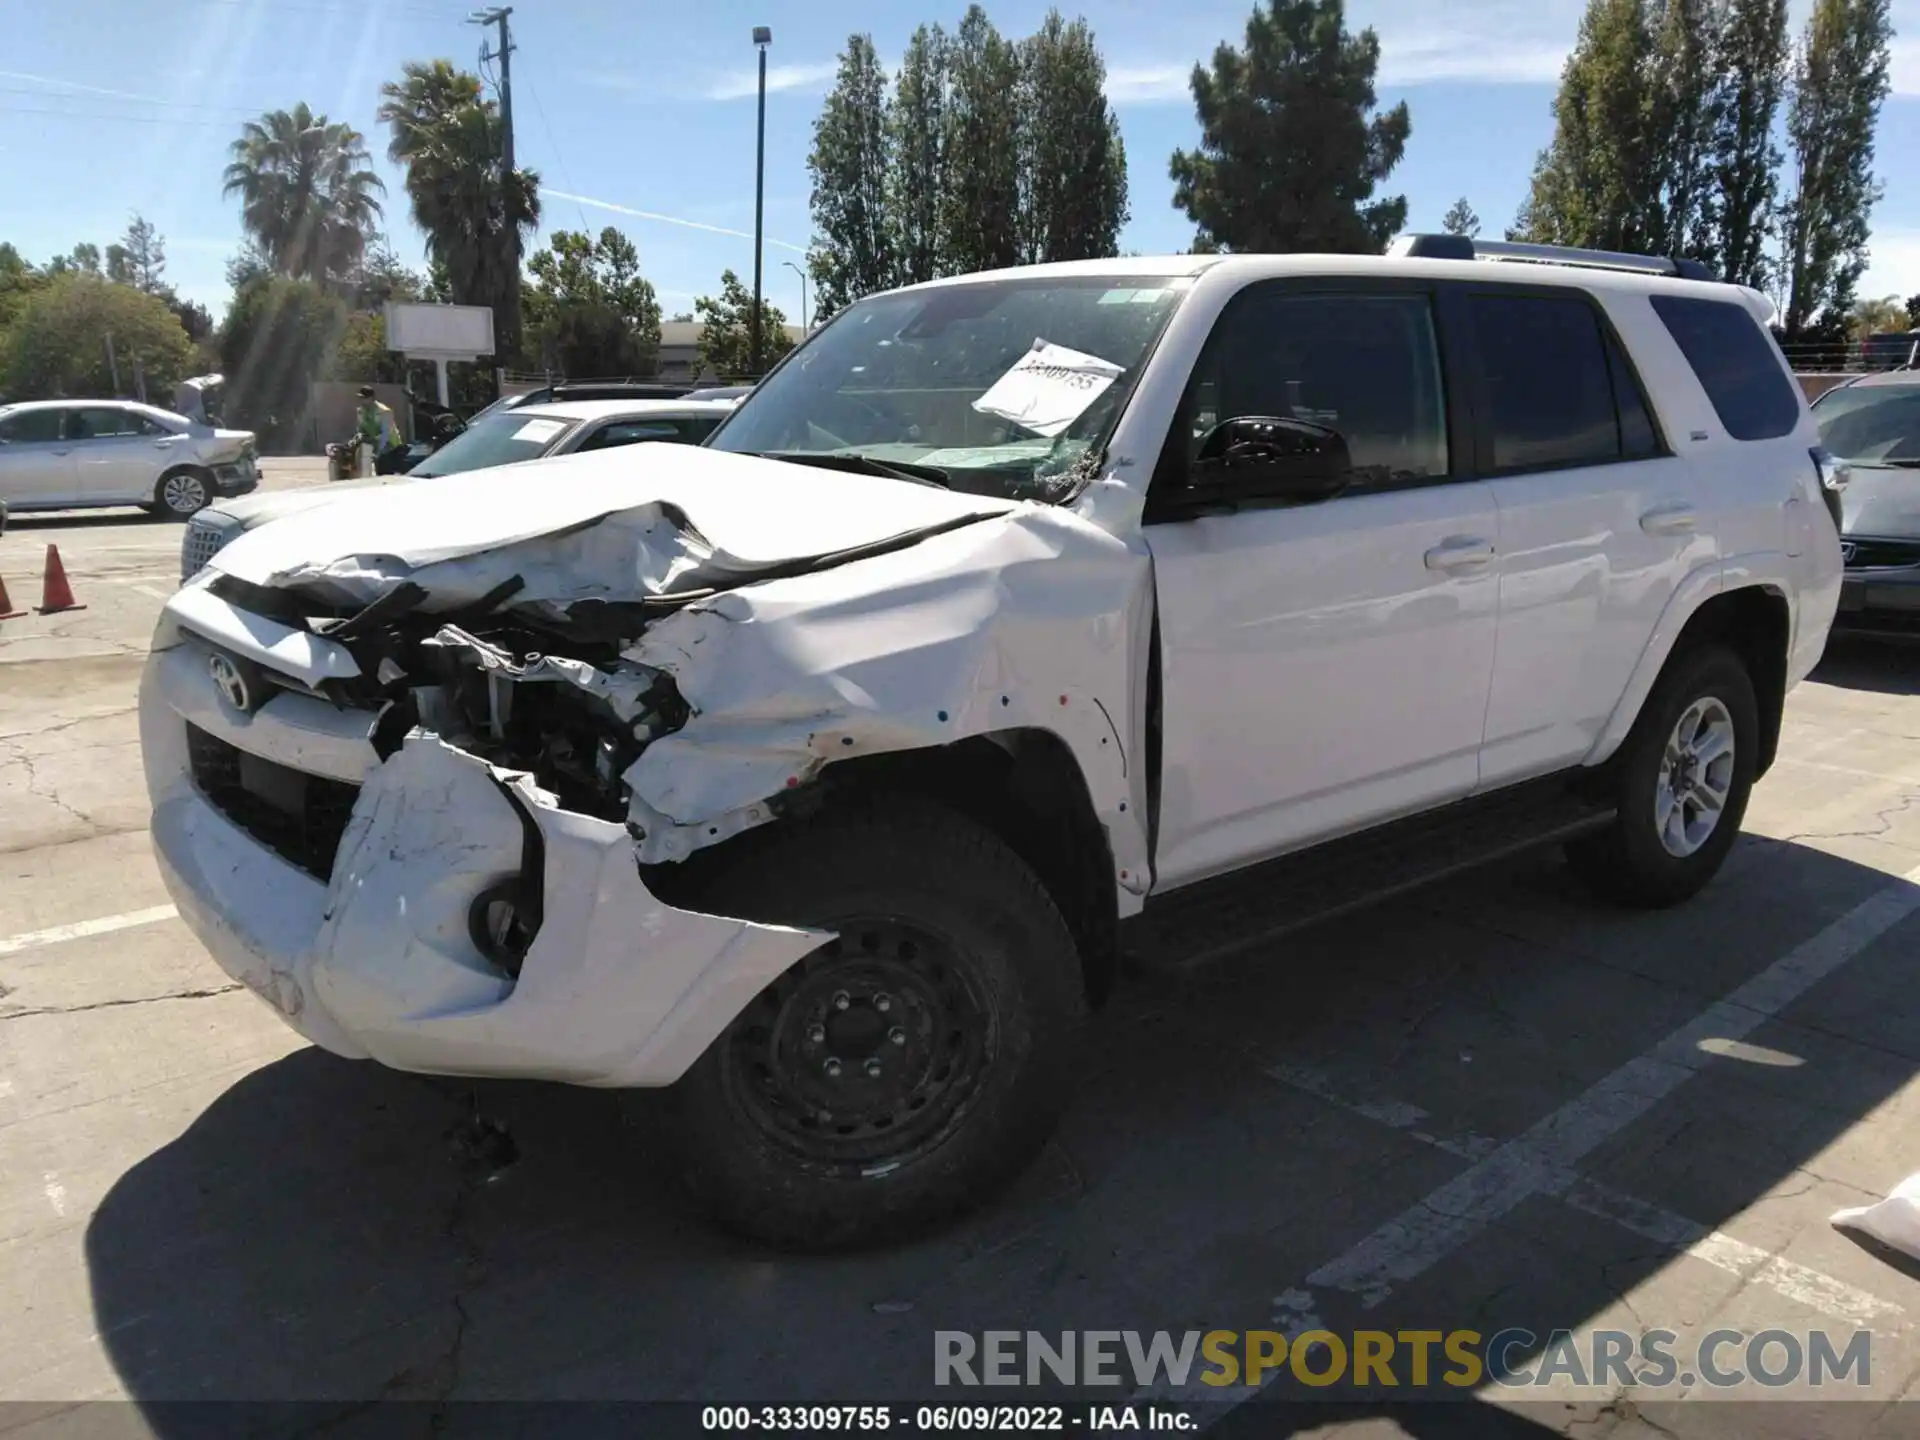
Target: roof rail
<point>1460,247</point>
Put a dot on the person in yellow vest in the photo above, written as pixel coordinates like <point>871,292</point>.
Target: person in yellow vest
<point>375,432</point>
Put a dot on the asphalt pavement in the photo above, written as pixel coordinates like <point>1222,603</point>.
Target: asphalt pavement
<point>1491,1105</point>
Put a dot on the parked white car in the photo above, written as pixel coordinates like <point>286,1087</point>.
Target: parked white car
<point>75,454</point>
<point>823,772</point>
<point>493,437</point>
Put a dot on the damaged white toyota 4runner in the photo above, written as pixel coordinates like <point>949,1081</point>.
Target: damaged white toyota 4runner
<point>823,773</point>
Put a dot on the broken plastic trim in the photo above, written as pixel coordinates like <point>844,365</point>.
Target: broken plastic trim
<point>506,916</point>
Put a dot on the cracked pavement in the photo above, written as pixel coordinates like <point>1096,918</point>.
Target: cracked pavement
<point>196,1205</point>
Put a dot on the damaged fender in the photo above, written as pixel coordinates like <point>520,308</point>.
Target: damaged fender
<point>617,988</point>
<point>1024,620</point>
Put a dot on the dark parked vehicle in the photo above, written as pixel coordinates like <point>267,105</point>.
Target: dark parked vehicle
<point>1873,425</point>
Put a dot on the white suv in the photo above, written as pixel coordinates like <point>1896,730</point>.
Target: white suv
<point>824,771</point>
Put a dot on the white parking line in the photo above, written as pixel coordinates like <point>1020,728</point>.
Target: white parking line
<point>1541,1161</point>
<point>106,924</point>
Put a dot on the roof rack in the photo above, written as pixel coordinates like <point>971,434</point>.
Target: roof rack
<point>1462,247</point>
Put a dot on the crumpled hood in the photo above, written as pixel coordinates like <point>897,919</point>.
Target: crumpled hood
<point>616,523</point>
<point>262,506</point>
<point>1881,502</point>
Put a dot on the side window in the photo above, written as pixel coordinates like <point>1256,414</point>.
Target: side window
<point>34,427</point>
<point>1548,385</point>
<point>1735,365</point>
<point>1367,366</point>
<point>101,423</point>
<point>1639,436</point>
<point>694,431</point>
<point>151,427</point>
<point>629,432</point>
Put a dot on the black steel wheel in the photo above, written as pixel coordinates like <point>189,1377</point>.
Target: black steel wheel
<point>905,1070</point>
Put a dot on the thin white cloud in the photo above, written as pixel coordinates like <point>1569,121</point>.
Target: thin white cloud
<point>1893,263</point>
<point>667,219</point>
<point>1147,84</point>
<point>55,84</point>
<point>745,84</point>
<point>1464,57</point>
<point>1905,70</point>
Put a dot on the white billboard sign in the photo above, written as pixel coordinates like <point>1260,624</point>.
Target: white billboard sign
<point>447,332</point>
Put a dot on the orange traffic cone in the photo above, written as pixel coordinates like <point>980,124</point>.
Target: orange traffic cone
<point>7,612</point>
<point>55,593</point>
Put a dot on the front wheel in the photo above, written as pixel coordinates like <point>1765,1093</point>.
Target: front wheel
<point>905,1070</point>
<point>1681,782</point>
<point>182,494</point>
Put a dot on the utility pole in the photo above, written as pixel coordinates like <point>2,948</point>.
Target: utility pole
<point>508,332</point>
<point>762,38</point>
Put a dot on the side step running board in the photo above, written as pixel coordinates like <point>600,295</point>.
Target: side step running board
<point>1210,919</point>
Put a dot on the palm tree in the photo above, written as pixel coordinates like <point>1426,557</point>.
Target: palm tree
<point>449,137</point>
<point>306,194</point>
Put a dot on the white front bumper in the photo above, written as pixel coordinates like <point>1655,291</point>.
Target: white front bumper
<point>618,989</point>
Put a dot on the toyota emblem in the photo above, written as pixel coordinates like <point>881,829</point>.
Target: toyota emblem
<point>230,682</point>
<point>1847,551</point>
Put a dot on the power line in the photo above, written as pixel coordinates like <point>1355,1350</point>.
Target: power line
<point>558,158</point>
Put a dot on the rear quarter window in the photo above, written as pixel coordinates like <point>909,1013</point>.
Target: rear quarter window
<point>1751,391</point>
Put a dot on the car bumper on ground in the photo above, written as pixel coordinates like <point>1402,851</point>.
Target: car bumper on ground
<point>1882,601</point>
<point>236,478</point>
<point>340,889</point>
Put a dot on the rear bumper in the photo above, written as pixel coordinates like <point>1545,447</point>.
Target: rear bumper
<point>379,960</point>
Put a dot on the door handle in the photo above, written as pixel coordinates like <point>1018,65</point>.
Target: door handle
<point>1675,519</point>
<point>1460,552</point>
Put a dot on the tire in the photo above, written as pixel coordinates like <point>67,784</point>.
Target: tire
<point>951,961</point>
<point>1637,862</point>
<point>182,494</point>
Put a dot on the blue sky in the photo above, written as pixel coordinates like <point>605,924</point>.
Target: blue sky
<point>642,115</point>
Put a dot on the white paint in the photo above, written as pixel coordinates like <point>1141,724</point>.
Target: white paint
<point>151,592</point>
<point>56,1193</point>
<point>1540,1161</point>
<point>1802,1284</point>
<point>80,929</point>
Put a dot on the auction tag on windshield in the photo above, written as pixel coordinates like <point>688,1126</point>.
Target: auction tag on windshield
<point>539,431</point>
<point>1048,388</point>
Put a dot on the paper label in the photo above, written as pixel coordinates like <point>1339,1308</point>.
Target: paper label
<point>1048,388</point>
<point>539,431</point>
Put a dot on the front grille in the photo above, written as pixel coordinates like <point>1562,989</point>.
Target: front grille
<point>1879,554</point>
<point>299,817</point>
<point>199,545</point>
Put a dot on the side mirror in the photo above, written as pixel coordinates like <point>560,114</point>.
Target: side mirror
<point>1271,455</point>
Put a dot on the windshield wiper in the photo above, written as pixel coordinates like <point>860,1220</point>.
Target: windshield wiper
<point>1900,464</point>
<point>863,465</point>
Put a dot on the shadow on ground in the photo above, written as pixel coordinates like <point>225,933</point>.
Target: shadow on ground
<point>1866,662</point>
<point>315,1235</point>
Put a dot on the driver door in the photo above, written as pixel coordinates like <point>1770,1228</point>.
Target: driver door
<point>1325,663</point>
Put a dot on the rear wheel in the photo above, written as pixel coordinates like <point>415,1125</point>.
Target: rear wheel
<point>908,1068</point>
<point>182,493</point>
<point>1681,782</point>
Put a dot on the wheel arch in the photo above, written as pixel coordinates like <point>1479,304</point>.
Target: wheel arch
<point>1754,620</point>
<point>201,472</point>
<point>1024,784</point>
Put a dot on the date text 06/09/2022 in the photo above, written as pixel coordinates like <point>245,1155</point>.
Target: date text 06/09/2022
<point>942,1419</point>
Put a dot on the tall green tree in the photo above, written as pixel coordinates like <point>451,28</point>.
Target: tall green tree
<point>18,280</point>
<point>56,344</point>
<point>1679,117</point>
<point>1597,183</point>
<point>279,336</point>
<point>1460,219</point>
<point>139,258</point>
<point>1291,151</point>
<point>589,311</point>
<point>726,337</point>
<point>307,197</point>
<point>476,215</point>
<point>1743,163</point>
<point>1840,79</point>
<point>852,252</point>
<point>980,205</point>
<point>1072,163</point>
<point>917,136</point>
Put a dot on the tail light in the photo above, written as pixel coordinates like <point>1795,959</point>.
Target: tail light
<point>1834,474</point>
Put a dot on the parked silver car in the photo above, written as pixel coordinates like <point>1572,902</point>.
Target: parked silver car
<point>1873,425</point>
<point>74,454</point>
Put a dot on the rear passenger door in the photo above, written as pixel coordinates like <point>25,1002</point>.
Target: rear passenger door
<point>1595,530</point>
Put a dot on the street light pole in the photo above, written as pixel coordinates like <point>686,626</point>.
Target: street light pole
<point>510,300</point>
<point>803,292</point>
<point>762,38</point>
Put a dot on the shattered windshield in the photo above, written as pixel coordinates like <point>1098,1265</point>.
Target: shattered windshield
<point>1872,424</point>
<point>991,386</point>
<point>497,439</point>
